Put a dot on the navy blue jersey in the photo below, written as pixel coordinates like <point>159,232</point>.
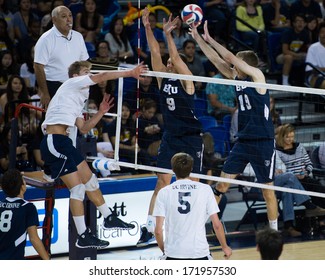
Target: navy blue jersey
<point>16,215</point>
<point>177,108</point>
<point>254,118</point>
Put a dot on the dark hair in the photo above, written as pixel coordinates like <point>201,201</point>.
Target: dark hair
<point>182,165</point>
<point>100,42</point>
<point>148,103</point>
<point>124,40</point>
<point>84,18</point>
<point>188,41</point>
<point>11,182</point>
<point>23,95</point>
<point>270,244</point>
<point>300,15</point>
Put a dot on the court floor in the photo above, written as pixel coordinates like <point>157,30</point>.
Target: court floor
<point>242,242</point>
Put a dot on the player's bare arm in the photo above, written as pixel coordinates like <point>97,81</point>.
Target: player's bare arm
<point>255,73</point>
<point>177,62</point>
<point>156,60</point>
<point>104,107</point>
<point>112,75</point>
<point>211,54</point>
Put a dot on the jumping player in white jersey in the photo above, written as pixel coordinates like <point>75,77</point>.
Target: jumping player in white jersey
<point>185,207</point>
<point>182,129</point>
<point>58,152</point>
<point>255,143</point>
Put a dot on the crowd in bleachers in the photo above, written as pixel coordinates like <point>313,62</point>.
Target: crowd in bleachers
<point>111,42</point>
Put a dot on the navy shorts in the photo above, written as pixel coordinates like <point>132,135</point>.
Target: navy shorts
<point>60,155</point>
<point>171,144</point>
<point>259,153</point>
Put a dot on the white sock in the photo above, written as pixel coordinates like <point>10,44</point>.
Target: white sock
<point>151,223</point>
<point>104,210</point>
<point>285,80</point>
<point>273,224</point>
<point>80,224</point>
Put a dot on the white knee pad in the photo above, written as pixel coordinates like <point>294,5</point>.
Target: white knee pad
<point>92,184</point>
<point>78,192</point>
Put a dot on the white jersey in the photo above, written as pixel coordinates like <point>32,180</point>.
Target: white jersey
<point>68,102</point>
<point>57,53</point>
<point>316,56</point>
<point>186,206</point>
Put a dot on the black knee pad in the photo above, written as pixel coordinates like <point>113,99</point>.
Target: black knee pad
<point>216,192</point>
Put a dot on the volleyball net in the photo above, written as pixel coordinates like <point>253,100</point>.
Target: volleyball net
<point>302,107</point>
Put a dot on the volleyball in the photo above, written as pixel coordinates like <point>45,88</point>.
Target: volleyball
<point>192,13</point>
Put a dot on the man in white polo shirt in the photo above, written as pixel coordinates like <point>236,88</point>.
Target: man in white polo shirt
<point>185,206</point>
<point>55,51</point>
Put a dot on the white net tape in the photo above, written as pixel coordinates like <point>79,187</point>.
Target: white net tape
<point>113,164</point>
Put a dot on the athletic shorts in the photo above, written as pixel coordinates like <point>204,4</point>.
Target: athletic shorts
<point>259,153</point>
<point>60,155</point>
<point>171,144</point>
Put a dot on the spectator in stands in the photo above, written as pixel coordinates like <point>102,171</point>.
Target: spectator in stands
<point>97,92</point>
<point>23,219</point>
<point>276,119</point>
<point>217,12</point>
<point>179,34</point>
<point>158,34</point>
<point>250,12</point>
<point>150,130</point>
<point>297,161</point>
<point>269,244</point>
<point>103,61</point>
<point>276,15</point>
<point>120,46</point>
<point>312,27</point>
<point>51,63</point>
<point>316,56</point>
<point>22,19</point>
<point>286,179</point>
<point>147,90</point>
<point>22,157</point>
<point>194,63</point>
<point>321,155</point>
<point>6,14</point>
<point>27,71</point>
<point>295,43</point>
<point>104,56</point>
<point>8,67</point>
<point>24,45</point>
<point>306,7</point>
<point>221,99</point>
<point>42,7</point>
<point>5,41</point>
<point>89,22</point>
<point>17,93</point>
<point>127,145</point>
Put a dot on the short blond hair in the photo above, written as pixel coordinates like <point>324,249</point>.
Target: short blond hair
<point>76,67</point>
<point>249,57</point>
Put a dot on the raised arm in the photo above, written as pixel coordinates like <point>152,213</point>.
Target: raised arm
<point>255,73</point>
<point>211,54</point>
<point>136,73</point>
<point>104,107</point>
<point>177,62</point>
<point>156,60</point>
